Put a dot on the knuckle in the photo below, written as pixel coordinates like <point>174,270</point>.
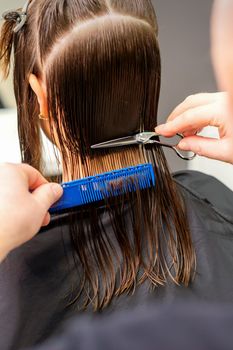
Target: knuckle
<point>24,166</point>
<point>199,94</point>
<point>189,99</point>
<point>226,149</point>
<point>188,119</point>
<point>7,169</point>
<point>5,165</point>
<point>48,195</point>
<point>199,150</point>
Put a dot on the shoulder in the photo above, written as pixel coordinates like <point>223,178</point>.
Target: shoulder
<point>207,189</point>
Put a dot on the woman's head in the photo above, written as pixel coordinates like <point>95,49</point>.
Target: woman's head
<point>92,67</point>
<point>95,69</point>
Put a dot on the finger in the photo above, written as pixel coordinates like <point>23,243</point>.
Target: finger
<point>194,119</point>
<point>206,147</point>
<point>191,102</point>
<point>191,132</point>
<point>46,220</point>
<point>46,195</point>
<point>33,176</point>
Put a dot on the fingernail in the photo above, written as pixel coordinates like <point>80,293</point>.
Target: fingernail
<point>57,189</point>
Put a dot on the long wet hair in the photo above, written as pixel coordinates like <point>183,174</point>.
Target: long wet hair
<point>100,63</point>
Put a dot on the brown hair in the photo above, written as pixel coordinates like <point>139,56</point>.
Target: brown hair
<point>100,62</point>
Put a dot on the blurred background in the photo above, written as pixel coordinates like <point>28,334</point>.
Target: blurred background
<point>186,70</point>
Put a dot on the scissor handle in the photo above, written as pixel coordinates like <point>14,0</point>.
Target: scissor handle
<point>191,157</point>
<point>175,149</point>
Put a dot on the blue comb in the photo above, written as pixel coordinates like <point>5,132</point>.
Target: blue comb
<point>97,188</point>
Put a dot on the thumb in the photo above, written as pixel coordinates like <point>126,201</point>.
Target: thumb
<point>48,194</point>
<point>206,147</point>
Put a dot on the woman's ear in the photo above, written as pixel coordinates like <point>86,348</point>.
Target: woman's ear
<point>40,92</point>
<point>37,87</point>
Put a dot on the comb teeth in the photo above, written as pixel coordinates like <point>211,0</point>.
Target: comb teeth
<point>112,184</point>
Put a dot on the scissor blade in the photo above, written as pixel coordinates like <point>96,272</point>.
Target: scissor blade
<point>124,141</point>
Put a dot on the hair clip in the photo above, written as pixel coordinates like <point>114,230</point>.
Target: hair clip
<point>19,16</point>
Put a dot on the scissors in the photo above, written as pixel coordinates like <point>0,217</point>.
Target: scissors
<point>143,138</point>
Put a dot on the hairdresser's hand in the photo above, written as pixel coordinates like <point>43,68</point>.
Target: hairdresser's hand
<point>25,197</point>
<point>197,112</point>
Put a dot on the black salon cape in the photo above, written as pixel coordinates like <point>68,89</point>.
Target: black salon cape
<point>36,279</point>
<point>151,327</point>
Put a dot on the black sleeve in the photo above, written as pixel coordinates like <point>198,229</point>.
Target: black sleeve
<point>183,327</point>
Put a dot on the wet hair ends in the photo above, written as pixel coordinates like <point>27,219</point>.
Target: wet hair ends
<point>100,62</point>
